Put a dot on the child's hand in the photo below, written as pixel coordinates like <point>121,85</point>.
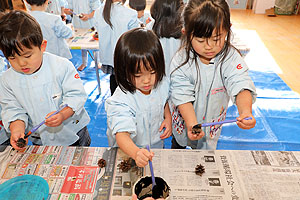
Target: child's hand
<point>142,157</point>
<point>84,17</point>
<point>68,11</point>
<point>15,137</point>
<point>167,126</point>
<point>246,124</point>
<point>194,136</point>
<point>55,120</point>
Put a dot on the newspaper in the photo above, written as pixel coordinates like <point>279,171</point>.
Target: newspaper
<point>251,175</point>
<point>71,172</point>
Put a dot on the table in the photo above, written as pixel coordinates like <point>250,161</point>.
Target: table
<point>73,171</point>
<point>83,39</point>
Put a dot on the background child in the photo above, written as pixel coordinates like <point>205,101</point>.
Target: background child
<point>83,18</point>
<point>53,28</point>
<point>57,7</point>
<point>138,113</point>
<point>36,85</point>
<point>112,20</point>
<point>140,6</point>
<point>167,26</point>
<point>206,73</point>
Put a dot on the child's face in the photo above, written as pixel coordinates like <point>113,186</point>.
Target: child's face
<point>29,60</point>
<point>208,48</point>
<point>140,13</point>
<point>145,80</point>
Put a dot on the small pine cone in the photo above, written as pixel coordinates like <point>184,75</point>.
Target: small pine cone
<point>101,163</point>
<point>21,143</point>
<point>199,170</point>
<point>125,165</point>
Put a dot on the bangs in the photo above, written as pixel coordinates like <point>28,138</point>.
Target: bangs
<point>15,46</point>
<point>137,49</point>
<point>206,21</point>
<point>25,33</point>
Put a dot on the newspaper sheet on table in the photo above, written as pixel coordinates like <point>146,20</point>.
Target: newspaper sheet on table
<point>71,172</point>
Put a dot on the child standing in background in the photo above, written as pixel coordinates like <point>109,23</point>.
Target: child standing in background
<point>36,85</point>
<point>167,26</point>
<point>140,6</point>
<point>138,113</point>
<point>57,7</point>
<point>205,74</point>
<point>83,18</point>
<point>53,28</point>
<point>112,20</point>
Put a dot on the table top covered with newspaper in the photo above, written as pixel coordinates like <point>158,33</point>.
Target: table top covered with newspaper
<point>74,172</point>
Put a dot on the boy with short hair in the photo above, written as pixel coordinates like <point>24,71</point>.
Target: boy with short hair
<point>36,85</point>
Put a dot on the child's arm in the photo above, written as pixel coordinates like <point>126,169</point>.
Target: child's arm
<point>167,123</point>
<point>141,156</point>
<point>244,105</point>
<point>61,30</point>
<point>188,114</point>
<point>17,129</point>
<point>58,119</point>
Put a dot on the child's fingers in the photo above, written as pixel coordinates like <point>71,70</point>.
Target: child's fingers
<point>167,133</point>
<point>161,126</point>
<point>197,136</point>
<point>143,156</point>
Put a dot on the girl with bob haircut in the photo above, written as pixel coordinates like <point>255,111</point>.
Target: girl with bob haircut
<point>138,113</point>
<point>205,74</point>
<point>167,25</point>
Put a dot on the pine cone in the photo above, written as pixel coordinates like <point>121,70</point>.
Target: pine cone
<point>101,163</point>
<point>199,170</point>
<point>125,165</point>
<point>21,142</point>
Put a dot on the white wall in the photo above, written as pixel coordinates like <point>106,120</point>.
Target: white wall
<point>260,6</point>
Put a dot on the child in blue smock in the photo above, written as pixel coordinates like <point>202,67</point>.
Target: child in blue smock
<point>53,28</point>
<point>112,20</point>
<point>140,6</point>
<point>167,25</point>
<point>83,18</point>
<point>36,85</point>
<point>205,74</point>
<point>138,113</point>
<point>4,138</point>
<point>57,7</point>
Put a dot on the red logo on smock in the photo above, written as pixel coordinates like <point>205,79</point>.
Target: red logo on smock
<point>239,66</point>
<point>76,76</point>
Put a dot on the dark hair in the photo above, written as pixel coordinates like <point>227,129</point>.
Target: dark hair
<point>137,5</point>
<point>36,2</point>
<point>4,5</point>
<point>106,11</point>
<point>201,18</point>
<point>167,16</point>
<point>19,29</point>
<point>134,49</point>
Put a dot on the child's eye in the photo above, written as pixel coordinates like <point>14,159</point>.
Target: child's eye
<point>200,41</point>
<point>216,39</point>
<point>11,58</point>
<point>27,56</point>
<point>153,72</point>
<point>137,75</point>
